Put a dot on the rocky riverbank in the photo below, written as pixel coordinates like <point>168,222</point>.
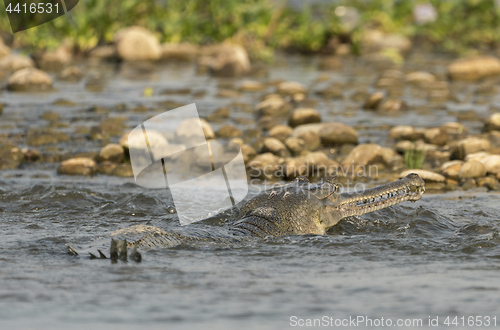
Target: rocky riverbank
<point>355,117</point>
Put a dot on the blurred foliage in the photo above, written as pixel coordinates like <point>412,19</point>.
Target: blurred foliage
<point>264,25</point>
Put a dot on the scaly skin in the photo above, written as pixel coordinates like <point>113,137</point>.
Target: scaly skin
<point>297,208</point>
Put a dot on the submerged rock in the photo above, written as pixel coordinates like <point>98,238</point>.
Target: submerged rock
<point>29,80</point>
<point>136,43</point>
<point>123,170</point>
<point>112,152</point>
<point>474,68</point>
<point>301,116</point>
<point>77,166</point>
<point>106,168</point>
<point>10,157</point>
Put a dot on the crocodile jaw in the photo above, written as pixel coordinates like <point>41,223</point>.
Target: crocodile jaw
<point>411,188</point>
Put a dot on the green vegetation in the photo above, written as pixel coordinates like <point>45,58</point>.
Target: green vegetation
<point>264,25</point>
<point>414,158</point>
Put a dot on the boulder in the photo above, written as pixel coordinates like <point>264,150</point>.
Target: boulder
<point>251,86</point>
<point>280,132</point>
<point>112,153</point>
<point>137,44</point>
<point>248,153</point>
<point>225,60</point>
<point>4,49</point>
<point>185,129</point>
<point>337,134</point>
<point>453,128</point>
<point>54,60</point>
<point>77,166</point>
<point>451,169</point>
<point>183,52</point>
<point>364,154</point>
<point>373,101</point>
<point>491,163</point>
<point>329,133</point>
<point>104,52</point>
<point>493,123</point>
<point>273,105</point>
<point>309,133</point>
<point>290,88</point>
<point>296,145</point>
<point>265,166</point>
<point>123,170</point>
<point>375,40</point>
<point>472,169</point>
<point>29,80</point>
<point>275,147</point>
<point>435,136</point>
<point>394,105</point>
<point>10,157</point>
<point>474,68</point>
<point>427,176</point>
<point>470,145</point>
<point>228,131</point>
<point>16,62</point>
<point>419,77</point>
<point>301,116</point>
<point>106,168</point>
<point>318,163</point>
<point>72,73</point>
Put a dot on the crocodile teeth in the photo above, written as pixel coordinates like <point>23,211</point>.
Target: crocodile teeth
<point>113,251</point>
<point>123,251</point>
<point>135,255</point>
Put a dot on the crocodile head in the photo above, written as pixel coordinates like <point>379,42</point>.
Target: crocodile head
<point>303,208</point>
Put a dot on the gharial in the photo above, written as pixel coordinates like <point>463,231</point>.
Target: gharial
<point>297,208</point>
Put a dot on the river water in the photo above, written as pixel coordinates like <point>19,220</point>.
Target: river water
<point>435,258</point>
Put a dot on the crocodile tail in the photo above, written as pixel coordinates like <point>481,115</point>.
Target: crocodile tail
<point>134,237</point>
